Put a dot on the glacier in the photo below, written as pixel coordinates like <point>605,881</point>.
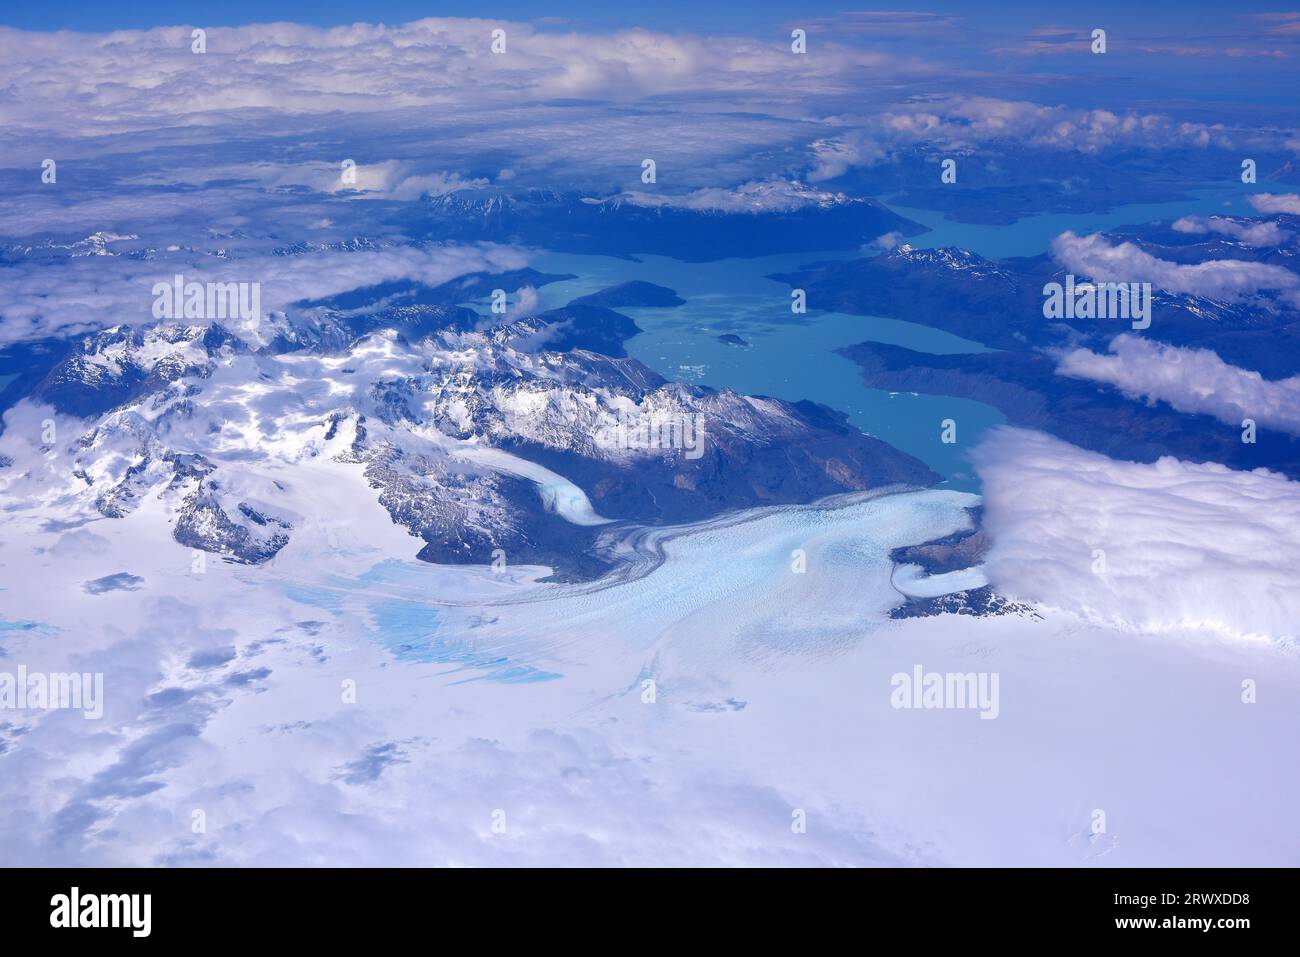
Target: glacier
<point>477,691</point>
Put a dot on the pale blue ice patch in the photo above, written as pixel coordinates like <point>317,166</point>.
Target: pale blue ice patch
<point>8,628</point>
<point>414,631</point>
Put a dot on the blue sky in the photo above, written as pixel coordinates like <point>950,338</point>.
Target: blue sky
<point>1155,17</point>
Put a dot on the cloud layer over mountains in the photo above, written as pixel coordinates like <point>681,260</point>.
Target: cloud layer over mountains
<point>1195,381</point>
<point>1163,546</point>
<point>1098,258</point>
<point>705,102</point>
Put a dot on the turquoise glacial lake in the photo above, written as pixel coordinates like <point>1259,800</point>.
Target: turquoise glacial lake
<point>793,357</point>
<point>788,356</point>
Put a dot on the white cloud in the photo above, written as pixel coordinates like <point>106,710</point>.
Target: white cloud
<point>834,156</point>
<point>76,295</point>
<point>752,197</point>
<point>386,179</point>
<point>1191,380</point>
<point>883,243</point>
<point>97,84</point>
<point>527,301</point>
<point>1185,545</point>
<point>1252,234</point>
<point>1228,279</point>
<point>717,109</point>
<point>73,94</point>
<point>960,122</point>
<point>1277,203</point>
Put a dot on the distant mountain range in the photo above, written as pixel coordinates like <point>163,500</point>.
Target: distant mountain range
<point>998,303</point>
<point>800,220</point>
